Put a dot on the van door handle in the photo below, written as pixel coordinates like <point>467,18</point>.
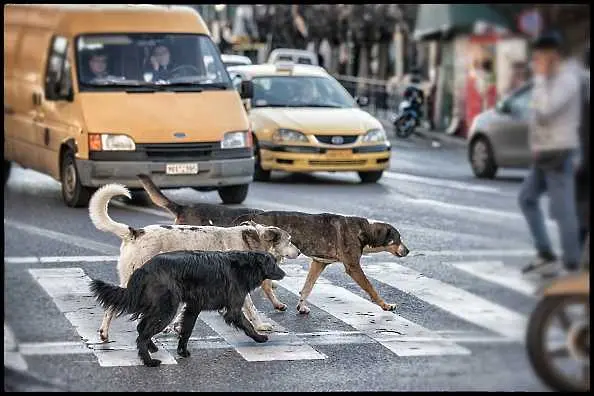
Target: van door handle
<point>36,98</point>
<point>8,110</point>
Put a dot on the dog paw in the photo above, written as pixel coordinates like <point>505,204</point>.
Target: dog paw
<point>303,309</point>
<point>389,307</point>
<point>273,284</point>
<point>264,327</point>
<point>152,363</point>
<point>183,353</point>
<point>281,307</point>
<point>103,335</point>
<point>260,338</point>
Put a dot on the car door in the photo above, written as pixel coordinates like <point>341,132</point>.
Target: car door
<point>519,149</point>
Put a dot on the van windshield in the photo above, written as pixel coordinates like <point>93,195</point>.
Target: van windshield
<point>119,61</point>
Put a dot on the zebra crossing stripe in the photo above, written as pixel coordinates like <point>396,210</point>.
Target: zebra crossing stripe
<point>69,289</point>
<point>399,335</point>
<point>281,344</point>
<point>496,272</point>
<point>456,301</point>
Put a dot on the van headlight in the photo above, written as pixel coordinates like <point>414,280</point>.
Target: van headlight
<point>375,136</point>
<point>236,140</point>
<point>288,135</point>
<point>110,142</point>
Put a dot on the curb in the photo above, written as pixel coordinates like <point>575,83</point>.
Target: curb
<point>439,136</point>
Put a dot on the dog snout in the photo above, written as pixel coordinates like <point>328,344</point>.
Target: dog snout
<point>402,250</point>
<point>277,274</point>
<point>293,252</point>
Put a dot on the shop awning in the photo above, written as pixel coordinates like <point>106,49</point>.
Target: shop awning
<point>435,20</point>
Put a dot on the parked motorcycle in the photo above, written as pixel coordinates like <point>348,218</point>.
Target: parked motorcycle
<point>406,120</point>
<point>558,335</point>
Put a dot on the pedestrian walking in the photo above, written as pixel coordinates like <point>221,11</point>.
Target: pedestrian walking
<point>554,143</point>
<point>582,179</point>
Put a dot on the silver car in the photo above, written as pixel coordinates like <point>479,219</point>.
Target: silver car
<point>498,137</point>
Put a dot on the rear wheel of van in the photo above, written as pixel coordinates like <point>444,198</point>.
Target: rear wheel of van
<point>233,194</point>
<point>6,172</point>
<point>74,194</point>
<point>370,177</point>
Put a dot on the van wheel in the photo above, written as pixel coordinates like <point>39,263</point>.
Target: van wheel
<point>6,172</point>
<point>233,194</point>
<point>74,194</point>
<point>370,177</point>
<point>482,159</point>
<point>259,173</point>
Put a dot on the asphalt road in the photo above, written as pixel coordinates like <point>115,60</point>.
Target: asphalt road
<point>459,325</point>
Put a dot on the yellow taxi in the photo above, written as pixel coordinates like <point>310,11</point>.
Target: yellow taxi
<point>303,120</point>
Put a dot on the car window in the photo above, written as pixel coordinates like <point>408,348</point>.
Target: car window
<point>520,103</point>
<point>304,61</point>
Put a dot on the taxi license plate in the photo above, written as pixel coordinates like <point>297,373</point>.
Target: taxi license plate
<point>339,153</point>
<point>181,169</point>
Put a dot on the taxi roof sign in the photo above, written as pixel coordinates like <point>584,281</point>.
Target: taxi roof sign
<point>285,66</point>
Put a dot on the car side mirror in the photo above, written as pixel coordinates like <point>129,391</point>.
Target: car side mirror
<point>246,89</point>
<point>504,107</point>
<point>362,101</point>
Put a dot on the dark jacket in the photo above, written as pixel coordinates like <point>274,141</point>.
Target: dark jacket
<point>583,172</point>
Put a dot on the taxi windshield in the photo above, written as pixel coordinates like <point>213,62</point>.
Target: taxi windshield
<point>300,91</point>
<point>120,61</point>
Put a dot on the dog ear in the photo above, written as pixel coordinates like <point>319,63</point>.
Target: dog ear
<point>248,223</point>
<point>251,239</point>
<point>271,234</point>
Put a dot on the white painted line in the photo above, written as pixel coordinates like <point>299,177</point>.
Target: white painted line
<point>69,289</point>
<point>496,272</point>
<point>21,260</point>
<point>392,331</point>
<point>440,182</point>
<point>281,345</point>
<point>64,238</point>
<point>456,301</point>
<point>12,355</point>
<point>54,348</point>
<point>59,259</point>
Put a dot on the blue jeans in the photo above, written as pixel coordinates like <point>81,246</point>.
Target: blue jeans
<point>560,185</point>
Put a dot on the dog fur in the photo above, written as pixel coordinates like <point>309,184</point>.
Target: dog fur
<point>139,245</point>
<point>325,238</point>
<point>204,281</point>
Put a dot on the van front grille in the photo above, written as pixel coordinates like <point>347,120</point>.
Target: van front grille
<point>178,151</point>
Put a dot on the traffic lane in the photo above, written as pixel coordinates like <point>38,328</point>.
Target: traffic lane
<point>364,367</point>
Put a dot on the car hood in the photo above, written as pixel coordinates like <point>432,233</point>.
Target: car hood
<point>349,121</point>
<point>155,117</point>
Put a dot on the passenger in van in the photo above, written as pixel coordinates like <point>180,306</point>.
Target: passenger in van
<point>160,63</point>
<point>98,67</point>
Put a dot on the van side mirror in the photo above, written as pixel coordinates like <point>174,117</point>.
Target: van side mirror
<point>362,101</point>
<point>246,89</point>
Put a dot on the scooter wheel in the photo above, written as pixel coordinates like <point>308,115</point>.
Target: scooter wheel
<point>551,310</point>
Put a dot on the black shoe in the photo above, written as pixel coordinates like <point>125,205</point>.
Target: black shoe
<point>545,264</point>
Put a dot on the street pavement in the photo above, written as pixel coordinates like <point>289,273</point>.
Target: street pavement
<point>462,304</point>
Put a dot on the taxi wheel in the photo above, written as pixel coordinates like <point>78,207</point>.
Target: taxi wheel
<point>233,194</point>
<point>6,174</point>
<point>74,194</point>
<point>370,177</point>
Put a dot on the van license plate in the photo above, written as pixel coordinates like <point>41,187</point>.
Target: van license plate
<point>339,153</point>
<point>181,169</point>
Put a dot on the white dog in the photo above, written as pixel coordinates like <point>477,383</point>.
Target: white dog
<point>139,245</point>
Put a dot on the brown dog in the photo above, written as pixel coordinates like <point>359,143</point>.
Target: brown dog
<point>325,237</point>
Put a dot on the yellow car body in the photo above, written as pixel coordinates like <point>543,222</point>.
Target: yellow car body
<point>327,135</point>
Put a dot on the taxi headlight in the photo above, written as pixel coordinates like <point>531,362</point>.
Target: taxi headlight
<point>375,136</point>
<point>288,135</point>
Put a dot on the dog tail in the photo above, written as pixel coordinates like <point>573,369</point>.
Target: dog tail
<point>111,296</point>
<point>98,210</point>
<point>157,196</point>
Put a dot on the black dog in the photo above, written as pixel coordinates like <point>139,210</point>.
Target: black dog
<point>204,280</point>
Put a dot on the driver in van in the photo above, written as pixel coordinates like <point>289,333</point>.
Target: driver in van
<point>160,63</point>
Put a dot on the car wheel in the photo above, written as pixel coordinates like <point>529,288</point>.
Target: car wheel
<point>233,194</point>
<point>370,177</point>
<point>259,173</point>
<point>482,159</point>
<point>6,174</point>
<point>74,194</point>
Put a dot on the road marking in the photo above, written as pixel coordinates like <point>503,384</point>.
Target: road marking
<point>12,355</point>
<point>496,272</point>
<point>69,289</point>
<point>456,301</point>
<point>64,238</point>
<point>441,182</point>
<point>394,332</point>
<point>54,348</point>
<point>281,344</point>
